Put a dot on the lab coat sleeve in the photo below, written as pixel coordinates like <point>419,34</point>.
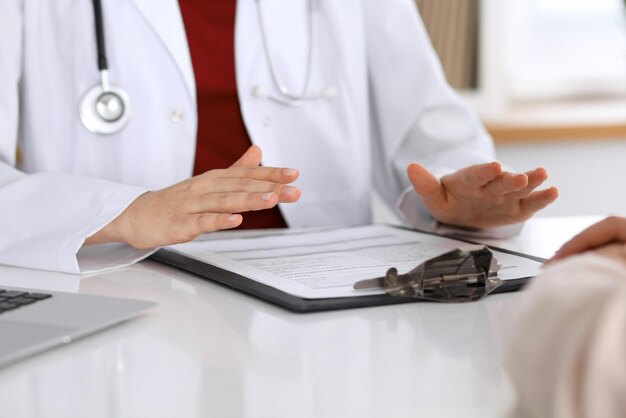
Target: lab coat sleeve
<point>565,351</point>
<point>45,217</point>
<point>416,116</point>
<point>10,67</point>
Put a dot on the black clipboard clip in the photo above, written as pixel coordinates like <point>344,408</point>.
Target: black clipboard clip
<point>462,275</point>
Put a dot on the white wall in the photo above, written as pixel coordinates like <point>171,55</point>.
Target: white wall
<point>590,175</point>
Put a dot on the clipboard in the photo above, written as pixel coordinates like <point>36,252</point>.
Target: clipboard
<point>299,304</point>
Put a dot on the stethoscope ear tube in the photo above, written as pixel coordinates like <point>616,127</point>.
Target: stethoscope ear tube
<point>284,95</point>
<point>104,109</point>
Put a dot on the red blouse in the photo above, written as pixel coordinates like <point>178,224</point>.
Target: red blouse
<point>222,136</point>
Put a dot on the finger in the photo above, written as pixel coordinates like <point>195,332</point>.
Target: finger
<point>609,230</point>
<point>250,158</point>
<point>507,183</point>
<point>196,224</point>
<point>537,201</point>
<point>285,193</point>
<point>209,222</point>
<point>233,202</point>
<point>536,178</point>
<point>273,174</point>
<point>473,177</point>
<point>425,184</point>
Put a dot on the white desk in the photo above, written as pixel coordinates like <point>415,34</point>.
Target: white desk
<point>208,351</point>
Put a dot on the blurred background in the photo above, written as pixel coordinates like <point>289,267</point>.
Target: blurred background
<point>548,78</point>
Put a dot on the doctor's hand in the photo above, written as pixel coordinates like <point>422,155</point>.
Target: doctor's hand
<point>482,195</point>
<point>208,202</point>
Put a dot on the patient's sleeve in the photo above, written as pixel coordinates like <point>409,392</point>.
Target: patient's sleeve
<point>567,350</point>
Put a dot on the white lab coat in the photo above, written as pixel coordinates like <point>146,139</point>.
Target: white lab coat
<point>393,107</point>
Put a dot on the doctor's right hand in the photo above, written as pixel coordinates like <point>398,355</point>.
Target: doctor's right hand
<point>208,202</point>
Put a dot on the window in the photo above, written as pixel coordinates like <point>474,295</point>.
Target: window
<point>557,49</point>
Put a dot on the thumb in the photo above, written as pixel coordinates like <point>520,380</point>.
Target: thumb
<point>250,158</point>
<point>425,184</point>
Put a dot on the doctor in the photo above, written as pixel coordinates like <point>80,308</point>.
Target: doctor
<point>108,136</point>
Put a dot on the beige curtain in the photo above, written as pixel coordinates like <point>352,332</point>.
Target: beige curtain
<point>453,29</point>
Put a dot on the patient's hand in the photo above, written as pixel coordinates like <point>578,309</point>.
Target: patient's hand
<point>610,230</point>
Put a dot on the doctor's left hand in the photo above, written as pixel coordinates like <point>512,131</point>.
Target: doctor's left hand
<point>208,202</point>
<point>482,195</point>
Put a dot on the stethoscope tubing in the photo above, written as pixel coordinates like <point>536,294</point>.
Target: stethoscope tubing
<point>286,96</point>
<point>100,38</point>
<point>106,109</point>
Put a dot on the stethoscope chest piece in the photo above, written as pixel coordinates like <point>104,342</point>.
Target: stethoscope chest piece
<point>105,112</point>
<point>105,109</point>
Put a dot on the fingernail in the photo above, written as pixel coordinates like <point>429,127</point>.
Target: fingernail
<point>290,172</point>
<point>290,190</point>
<point>267,196</point>
<point>233,218</point>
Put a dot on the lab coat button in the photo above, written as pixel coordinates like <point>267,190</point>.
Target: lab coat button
<point>267,121</point>
<point>177,115</point>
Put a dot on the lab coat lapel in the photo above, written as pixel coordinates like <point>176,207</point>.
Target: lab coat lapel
<point>166,20</point>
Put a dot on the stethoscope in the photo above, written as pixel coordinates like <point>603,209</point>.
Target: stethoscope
<point>286,96</point>
<point>105,109</point>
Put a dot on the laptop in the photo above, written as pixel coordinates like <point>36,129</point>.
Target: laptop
<point>33,321</point>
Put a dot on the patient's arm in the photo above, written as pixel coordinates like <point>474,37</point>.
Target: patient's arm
<point>566,352</point>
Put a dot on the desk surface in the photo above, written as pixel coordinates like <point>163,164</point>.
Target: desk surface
<point>210,351</point>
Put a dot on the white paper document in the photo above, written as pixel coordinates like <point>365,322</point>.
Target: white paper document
<point>326,263</point>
